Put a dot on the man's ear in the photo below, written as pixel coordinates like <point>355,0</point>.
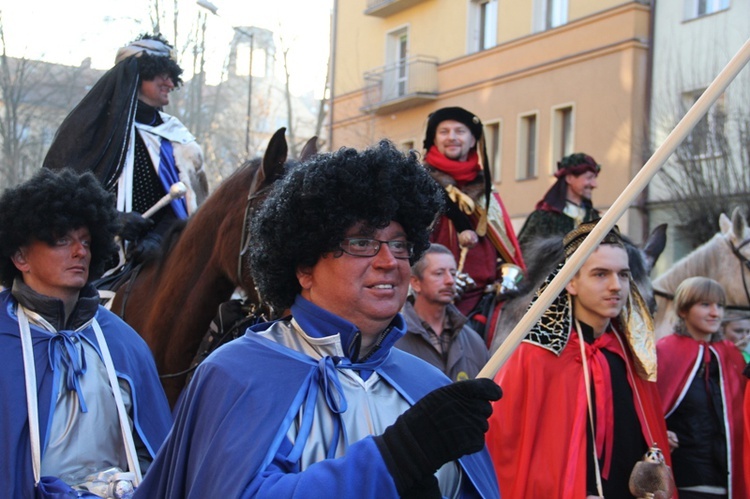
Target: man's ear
<point>416,285</point>
<point>571,287</point>
<point>19,260</point>
<point>304,276</point>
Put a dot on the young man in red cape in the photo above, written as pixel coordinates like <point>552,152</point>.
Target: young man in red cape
<point>544,434</point>
<point>475,218</point>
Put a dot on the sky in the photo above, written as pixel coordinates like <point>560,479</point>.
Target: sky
<point>69,31</point>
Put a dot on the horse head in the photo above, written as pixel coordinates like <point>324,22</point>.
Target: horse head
<point>724,258</point>
<point>736,233</point>
<point>268,170</point>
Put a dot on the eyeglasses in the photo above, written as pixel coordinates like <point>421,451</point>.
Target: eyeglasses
<point>365,247</point>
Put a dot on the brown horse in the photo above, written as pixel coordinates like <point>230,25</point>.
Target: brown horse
<point>172,300</point>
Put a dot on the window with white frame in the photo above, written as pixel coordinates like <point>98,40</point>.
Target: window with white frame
<point>483,24</point>
<point>698,8</point>
<point>550,14</point>
<point>494,147</point>
<point>395,75</point>
<point>527,146</point>
<point>562,133</point>
<point>708,137</point>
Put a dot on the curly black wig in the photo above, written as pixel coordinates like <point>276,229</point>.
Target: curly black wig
<point>48,206</point>
<point>309,211</point>
<point>151,66</point>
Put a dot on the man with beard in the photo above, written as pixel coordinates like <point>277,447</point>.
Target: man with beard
<point>475,227</point>
<point>567,203</point>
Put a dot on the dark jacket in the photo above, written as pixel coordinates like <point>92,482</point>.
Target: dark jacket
<point>467,353</point>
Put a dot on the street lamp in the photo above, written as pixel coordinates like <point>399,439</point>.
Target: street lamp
<point>214,10</point>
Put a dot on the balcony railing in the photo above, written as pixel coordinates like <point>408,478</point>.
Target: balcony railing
<point>384,8</point>
<point>398,86</point>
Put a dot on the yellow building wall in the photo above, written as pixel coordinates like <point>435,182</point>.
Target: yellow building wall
<point>596,63</point>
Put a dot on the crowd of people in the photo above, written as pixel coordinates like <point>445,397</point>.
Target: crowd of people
<point>390,271</point>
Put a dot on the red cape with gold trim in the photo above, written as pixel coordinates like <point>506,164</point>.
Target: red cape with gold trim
<point>537,435</point>
<point>677,355</point>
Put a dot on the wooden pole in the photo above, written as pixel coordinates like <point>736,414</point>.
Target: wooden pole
<point>623,201</point>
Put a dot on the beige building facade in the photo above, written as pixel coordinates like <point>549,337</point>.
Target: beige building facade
<point>547,78</point>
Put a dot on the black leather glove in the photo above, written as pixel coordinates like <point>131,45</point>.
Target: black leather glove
<point>444,425</point>
<point>145,249</point>
<point>428,488</point>
<point>134,226</point>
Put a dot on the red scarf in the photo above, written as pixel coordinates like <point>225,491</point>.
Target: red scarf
<point>462,171</point>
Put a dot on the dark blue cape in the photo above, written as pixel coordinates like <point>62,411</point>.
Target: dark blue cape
<point>232,420</point>
<point>132,360</point>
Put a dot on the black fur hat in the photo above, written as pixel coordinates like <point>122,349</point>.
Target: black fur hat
<point>451,113</point>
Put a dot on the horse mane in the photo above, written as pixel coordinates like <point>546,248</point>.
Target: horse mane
<point>542,254</point>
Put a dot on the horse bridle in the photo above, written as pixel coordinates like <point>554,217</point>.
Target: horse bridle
<point>744,262</point>
<point>245,235</point>
<point>244,247</point>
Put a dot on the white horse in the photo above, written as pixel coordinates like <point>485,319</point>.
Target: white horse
<point>724,258</point>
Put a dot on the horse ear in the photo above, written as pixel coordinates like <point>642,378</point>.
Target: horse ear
<point>725,224</point>
<point>738,224</point>
<point>310,149</point>
<point>655,244</point>
<point>272,166</point>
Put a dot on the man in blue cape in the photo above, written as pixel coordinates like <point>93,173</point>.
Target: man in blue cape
<point>56,234</point>
<point>318,403</point>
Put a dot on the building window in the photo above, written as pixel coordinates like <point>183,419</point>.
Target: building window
<point>494,148</point>
<point>395,76</point>
<point>483,22</point>
<point>550,14</point>
<point>698,8</point>
<point>527,146</point>
<point>562,134</point>
<point>708,137</point>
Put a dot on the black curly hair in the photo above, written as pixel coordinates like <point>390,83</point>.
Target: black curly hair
<point>309,211</point>
<point>151,66</point>
<point>48,206</point>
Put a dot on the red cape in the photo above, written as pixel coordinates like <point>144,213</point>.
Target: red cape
<point>678,357</point>
<point>537,435</point>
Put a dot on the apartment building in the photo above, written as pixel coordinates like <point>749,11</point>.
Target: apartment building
<point>693,41</point>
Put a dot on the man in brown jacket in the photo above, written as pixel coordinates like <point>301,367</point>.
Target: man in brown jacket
<point>436,331</point>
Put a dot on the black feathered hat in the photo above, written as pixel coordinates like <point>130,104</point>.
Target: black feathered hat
<point>459,114</point>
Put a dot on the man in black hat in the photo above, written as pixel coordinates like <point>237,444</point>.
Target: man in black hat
<point>567,203</point>
<point>476,227</point>
<point>120,132</point>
